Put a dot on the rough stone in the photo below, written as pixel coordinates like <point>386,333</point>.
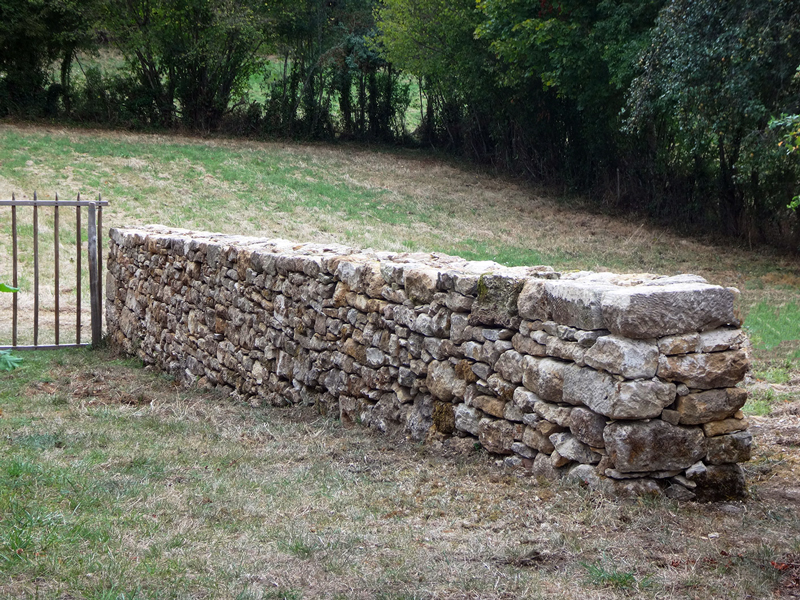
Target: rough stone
<point>441,380</point>
<point>543,468</point>
<point>640,446</point>
<point>719,483</point>
<point>560,415</point>
<point>713,405</point>
<point>576,303</point>
<point>732,448</point>
<point>642,312</point>
<point>633,359</point>
<point>551,379</point>
<point>724,426</point>
<point>705,371</point>
<point>497,436</point>
<point>509,365</point>
<point>467,419</point>
<point>490,405</point>
<point>535,439</point>
<point>587,426</point>
<point>571,448</point>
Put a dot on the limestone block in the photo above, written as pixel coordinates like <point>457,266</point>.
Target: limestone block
<point>560,415</point>
<point>441,380</point>
<point>705,371</point>
<point>420,283</point>
<point>718,483</point>
<point>732,448</point>
<point>535,439</point>
<point>632,359</point>
<point>629,488</point>
<point>467,418</point>
<point>497,436</point>
<point>641,446</point>
<point>587,426</point>
<point>490,405</point>
<point>525,400</point>
<point>509,366</point>
<point>720,340</point>
<point>644,311</point>
<point>713,405</point>
<point>576,303</point>
<point>571,448</point>
<point>679,344</point>
<point>532,302</point>
<point>724,426</point>
<point>497,300</point>
<point>551,379</point>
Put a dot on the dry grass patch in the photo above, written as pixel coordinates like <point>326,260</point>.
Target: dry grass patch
<point>118,484</point>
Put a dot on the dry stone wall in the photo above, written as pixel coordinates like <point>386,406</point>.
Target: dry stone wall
<point>624,382</point>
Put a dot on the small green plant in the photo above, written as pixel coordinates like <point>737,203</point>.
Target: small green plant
<point>8,362</point>
<point>600,575</point>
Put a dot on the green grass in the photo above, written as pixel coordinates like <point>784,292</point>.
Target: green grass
<point>769,325</point>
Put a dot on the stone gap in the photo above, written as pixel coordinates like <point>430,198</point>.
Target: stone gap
<point>624,382</point>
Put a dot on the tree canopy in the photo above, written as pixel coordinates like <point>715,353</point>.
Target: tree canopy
<point>685,110</point>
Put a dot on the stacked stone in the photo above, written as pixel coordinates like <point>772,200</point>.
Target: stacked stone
<point>624,382</point>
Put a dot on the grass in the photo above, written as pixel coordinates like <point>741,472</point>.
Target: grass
<point>132,487</point>
<point>114,483</point>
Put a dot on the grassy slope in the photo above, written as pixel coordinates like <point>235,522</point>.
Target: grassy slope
<point>115,486</point>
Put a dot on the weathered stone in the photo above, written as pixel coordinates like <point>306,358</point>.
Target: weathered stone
<point>630,358</point>
<point>530,373</point>
<point>560,415</point>
<point>576,303</point>
<point>496,436</point>
<point>705,371</point>
<point>585,386</point>
<point>679,344</point>
<point>643,311</point>
<point>632,488</point>
<point>497,301</point>
<point>724,426</point>
<point>504,389</point>
<point>420,417</point>
<point>490,405</point>
<point>532,303</point>
<point>420,284</point>
<point>543,468</point>
<point>718,483</point>
<point>551,379</point>
<point>557,460</point>
<point>713,405</point>
<point>679,493</point>
<point>587,426</point>
<point>587,339</point>
<point>509,365</point>
<point>535,439</point>
<point>732,448</point>
<point>523,450</point>
<point>511,412</point>
<point>720,340</point>
<point>673,417</point>
<point>525,399</point>
<point>571,448</point>
<point>525,345</point>
<point>640,446</point>
<point>441,380</point>
<point>467,418</point>
<point>571,351</point>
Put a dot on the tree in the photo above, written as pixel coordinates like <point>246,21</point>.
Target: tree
<point>713,76</point>
<point>190,57</point>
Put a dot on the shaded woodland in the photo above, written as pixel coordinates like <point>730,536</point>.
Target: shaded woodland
<point>682,110</point>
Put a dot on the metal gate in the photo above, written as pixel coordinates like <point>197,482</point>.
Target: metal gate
<point>94,223</point>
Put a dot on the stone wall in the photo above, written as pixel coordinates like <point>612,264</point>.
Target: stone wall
<point>625,382</point>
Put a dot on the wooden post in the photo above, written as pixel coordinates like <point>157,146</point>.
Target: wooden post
<point>35,272</point>
<point>55,258</point>
<point>14,281</point>
<point>97,332</point>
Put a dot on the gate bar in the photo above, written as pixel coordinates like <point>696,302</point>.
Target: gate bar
<point>78,272</point>
<point>35,272</point>
<point>94,300</point>
<point>55,251</point>
<point>14,271</point>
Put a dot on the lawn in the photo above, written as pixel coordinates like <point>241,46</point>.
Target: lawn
<point>116,484</point>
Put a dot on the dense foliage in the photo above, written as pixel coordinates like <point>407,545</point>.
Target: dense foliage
<point>685,110</point>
